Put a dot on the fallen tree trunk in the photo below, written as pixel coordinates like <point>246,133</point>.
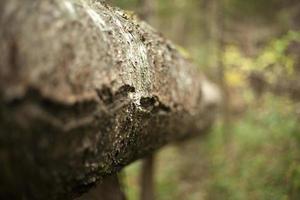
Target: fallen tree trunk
<point>86,89</point>
<point>109,189</point>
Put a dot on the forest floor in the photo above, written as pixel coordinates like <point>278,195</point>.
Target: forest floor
<point>259,158</point>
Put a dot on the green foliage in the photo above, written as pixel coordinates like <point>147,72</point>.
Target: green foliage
<point>127,5</point>
<point>272,60</point>
<point>262,159</point>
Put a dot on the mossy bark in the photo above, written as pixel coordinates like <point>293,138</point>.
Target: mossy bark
<point>86,89</point>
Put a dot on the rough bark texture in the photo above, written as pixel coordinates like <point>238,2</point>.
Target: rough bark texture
<point>84,90</point>
<point>109,189</point>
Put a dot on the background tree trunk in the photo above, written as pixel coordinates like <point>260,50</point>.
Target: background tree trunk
<point>146,10</point>
<point>147,178</point>
<point>85,90</point>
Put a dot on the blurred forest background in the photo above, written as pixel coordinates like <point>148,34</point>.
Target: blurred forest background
<point>251,48</point>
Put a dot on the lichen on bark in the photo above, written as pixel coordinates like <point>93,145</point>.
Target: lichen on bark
<point>84,91</point>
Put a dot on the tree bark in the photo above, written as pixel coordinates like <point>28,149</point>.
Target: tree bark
<point>108,189</point>
<point>146,10</point>
<point>85,90</point>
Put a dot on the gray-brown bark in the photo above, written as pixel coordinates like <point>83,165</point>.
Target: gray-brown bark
<point>85,90</point>
<point>108,189</point>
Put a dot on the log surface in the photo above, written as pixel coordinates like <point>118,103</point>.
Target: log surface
<point>85,89</point>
